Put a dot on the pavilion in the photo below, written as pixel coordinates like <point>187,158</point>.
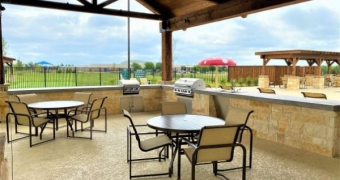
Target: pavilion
<point>173,15</point>
<point>291,57</point>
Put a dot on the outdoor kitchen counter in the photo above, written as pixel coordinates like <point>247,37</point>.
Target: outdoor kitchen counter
<point>305,123</point>
<point>330,105</point>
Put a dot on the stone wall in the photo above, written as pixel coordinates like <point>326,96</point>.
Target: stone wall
<point>151,99</point>
<point>168,95</point>
<point>305,128</point>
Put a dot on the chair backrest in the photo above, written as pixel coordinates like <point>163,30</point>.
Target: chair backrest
<point>213,143</point>
<point>21,112</point>
<point>143,81</point>
<point>128,116</point>
<point>82,96</point>
<point>27,98</point>
<point>96,107</point>
<point>170,108</point>
<point>237,116</point>
<point>314,95</point>
<point>266,90</point>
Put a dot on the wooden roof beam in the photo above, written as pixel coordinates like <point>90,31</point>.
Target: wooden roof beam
<point>79,8</point>
<point>85,3</point>
<point>227,10</point>
<point>106,3</point>
<point>157,8</point>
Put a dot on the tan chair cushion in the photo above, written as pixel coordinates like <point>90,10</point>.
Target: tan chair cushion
<point>314,95</point>
<point>217,135</point>
<point>266,90</point>
<point>170,108</point>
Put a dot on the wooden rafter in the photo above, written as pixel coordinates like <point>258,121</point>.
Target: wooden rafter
<point>95,9</point>
<point>85,3</point>
<point>106,3</point>
<point>310,62</point>
<point>289,61</point>
<point>157,8</point>
<point>227,10</point>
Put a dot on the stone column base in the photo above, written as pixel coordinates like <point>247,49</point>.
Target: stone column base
<point>263,81</point>
<point>4,87</point>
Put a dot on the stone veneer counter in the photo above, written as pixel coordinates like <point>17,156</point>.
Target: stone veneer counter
<point>305,123</point>
<point>331,105</point>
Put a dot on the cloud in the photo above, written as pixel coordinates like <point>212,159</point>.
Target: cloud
<point>35,34</point>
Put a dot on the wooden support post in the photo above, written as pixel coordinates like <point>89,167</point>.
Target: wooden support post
<point>294,66</point>
<point>167,56</point>
<point>2,75</point>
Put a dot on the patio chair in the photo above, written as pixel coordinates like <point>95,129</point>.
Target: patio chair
<point>83,97</point>
<point>303,83</point>
<point>238,116</point>
<point>172,108</point>
<point>28,99</point>
<point>215,144</point>
<point>143,81</point>
<point>23,116</point>
<point>314,95</point>
<point>77,96</point>
<point>92,114</point>
<point>157,142</point>
<point>283,82</point>
<point>266,90</point>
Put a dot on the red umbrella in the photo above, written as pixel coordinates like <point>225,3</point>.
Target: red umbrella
<point>216,62</point>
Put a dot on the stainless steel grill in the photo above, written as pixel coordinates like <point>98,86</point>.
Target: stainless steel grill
<point>185,86</point>
<point>129,86</point>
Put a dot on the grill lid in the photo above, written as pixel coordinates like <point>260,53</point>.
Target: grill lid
<point>131,82</point>
<point>129,86</point>
<point>184,86</point>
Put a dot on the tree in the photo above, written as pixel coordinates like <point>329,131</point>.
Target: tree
<point>19,65</point>
<point>159,66</point>
<point>149,65</point>
<point>136,66</point>
<point>4,47</point>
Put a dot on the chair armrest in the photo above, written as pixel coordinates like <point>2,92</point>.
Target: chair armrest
<point>143,133</point>
<point>73,112</point>
<point>187,141</point>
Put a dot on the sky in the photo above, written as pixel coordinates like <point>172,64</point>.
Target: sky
<point>81,39</point>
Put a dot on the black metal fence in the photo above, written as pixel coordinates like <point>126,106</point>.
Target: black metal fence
<point>40,77</point>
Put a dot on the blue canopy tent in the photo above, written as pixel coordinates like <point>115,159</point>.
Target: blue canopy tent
<point>44,63</point>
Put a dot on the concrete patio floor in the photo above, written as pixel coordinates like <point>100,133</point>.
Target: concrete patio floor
<point>104,157</point>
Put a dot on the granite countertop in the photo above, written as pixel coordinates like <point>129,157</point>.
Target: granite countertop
<point>332,105</point>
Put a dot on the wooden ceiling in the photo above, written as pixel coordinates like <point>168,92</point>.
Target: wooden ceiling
<point>174,14</point>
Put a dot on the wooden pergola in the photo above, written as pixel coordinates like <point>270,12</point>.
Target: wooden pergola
<point>291,57</point>
<point>173,15</point>
<point>9,62</point>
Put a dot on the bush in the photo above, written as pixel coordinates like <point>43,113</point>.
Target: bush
<point>256,81</point>
<point>154,80</point>
<point>249,81</point>
<point>240,81</point>
<point>114,81</point>
<point>223,81</point>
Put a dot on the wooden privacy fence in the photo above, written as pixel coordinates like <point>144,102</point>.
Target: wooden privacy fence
<point>274,72</point>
